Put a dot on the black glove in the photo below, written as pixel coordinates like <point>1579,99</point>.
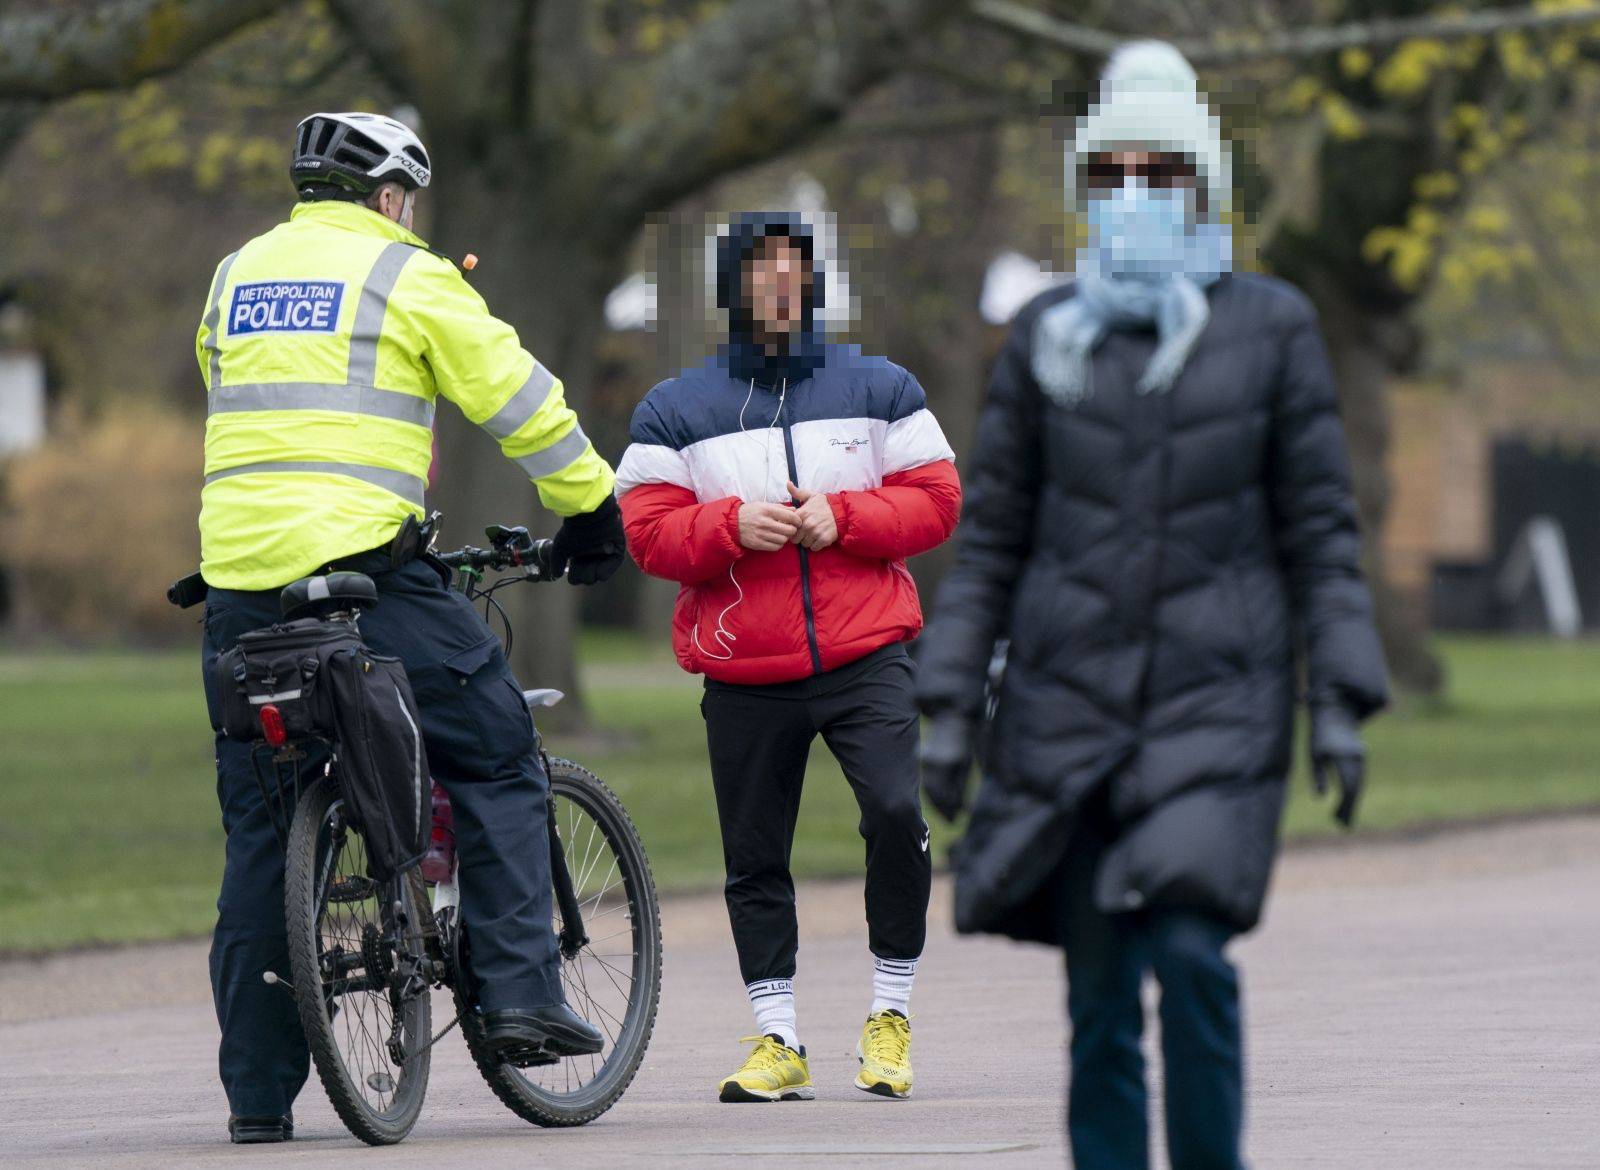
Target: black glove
<point>590,546</point>
<point>1336,747</point>
<point>946,759</point>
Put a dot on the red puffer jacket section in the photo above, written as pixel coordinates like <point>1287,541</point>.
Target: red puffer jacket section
<point>740,616</point>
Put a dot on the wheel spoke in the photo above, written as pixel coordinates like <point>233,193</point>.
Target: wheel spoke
<point>359,943</point>
<point>608,988</point>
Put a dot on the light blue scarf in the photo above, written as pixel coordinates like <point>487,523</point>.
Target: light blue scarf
<point>1116,291</point>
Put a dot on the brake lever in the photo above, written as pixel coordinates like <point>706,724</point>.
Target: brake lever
<point>514,543</point>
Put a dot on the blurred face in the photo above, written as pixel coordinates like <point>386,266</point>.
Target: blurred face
<point>775,285</point>
<point>1110,170</point>
<point>1141,209</point>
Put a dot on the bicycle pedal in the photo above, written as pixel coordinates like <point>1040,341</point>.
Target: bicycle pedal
<point>527,1057</point>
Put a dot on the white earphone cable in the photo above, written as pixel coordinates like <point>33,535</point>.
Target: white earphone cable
<point>723,636</point>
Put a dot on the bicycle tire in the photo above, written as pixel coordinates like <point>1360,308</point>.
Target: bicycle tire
<point>530,1101</point>
<point>317,807</point>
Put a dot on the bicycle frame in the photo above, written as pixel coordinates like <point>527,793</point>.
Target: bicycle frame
<point>535,563</point>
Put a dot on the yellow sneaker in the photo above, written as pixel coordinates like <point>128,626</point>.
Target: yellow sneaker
<point>885,1055</point>
<point>772,1072</point>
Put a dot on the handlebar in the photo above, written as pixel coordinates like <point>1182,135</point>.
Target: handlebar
<point>535,557</point>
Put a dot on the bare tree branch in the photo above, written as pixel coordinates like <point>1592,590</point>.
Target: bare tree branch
<point>1031,22</point>
<point>753,81</point>
<point>952,117</point>
<point>1235,48</point>
<point>56,52</point>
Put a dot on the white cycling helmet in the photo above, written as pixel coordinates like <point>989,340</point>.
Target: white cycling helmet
<point>356,152</point>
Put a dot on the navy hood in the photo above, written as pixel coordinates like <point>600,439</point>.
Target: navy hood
<point>744,357</point>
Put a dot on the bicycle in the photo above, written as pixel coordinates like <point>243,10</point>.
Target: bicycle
<point>364,957</point>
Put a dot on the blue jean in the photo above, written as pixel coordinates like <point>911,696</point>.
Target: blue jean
<point>1201,1044</point>
<point>482,747</point>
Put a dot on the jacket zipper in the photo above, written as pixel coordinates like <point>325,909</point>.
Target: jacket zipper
<point>1158,566</point>
<point>805,562</point>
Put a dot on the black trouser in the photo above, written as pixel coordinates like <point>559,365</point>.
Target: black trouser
<point>1201,1047</point>
<point>481,746</point>
<point>759,737</point>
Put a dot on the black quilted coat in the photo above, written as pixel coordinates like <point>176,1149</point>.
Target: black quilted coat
<point>1158,563</point>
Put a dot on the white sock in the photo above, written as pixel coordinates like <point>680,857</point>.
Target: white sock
<point>891,985</point>
<point>773,1001</point>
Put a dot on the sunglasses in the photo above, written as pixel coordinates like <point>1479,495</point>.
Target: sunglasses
<point>1160,172</point>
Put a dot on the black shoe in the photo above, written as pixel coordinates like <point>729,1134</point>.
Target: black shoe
<point>516,1035</point>
<point>250,1131</point>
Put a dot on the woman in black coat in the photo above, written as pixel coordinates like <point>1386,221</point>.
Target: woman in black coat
<point>1159,529</point>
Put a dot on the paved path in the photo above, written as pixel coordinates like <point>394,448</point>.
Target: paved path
<point>1414,1005</point>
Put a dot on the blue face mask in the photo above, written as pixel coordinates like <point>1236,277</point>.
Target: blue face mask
<point>1135,231</point>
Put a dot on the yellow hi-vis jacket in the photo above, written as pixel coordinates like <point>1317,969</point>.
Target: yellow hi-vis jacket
<point>324,346</point>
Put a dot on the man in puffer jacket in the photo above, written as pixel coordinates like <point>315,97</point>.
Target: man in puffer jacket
<point>1160,514</point>
<point>783,484</point>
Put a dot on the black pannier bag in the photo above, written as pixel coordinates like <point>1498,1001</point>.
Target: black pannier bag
<point>324,683</point>
<point>382,765</point>
<point>281,666</point>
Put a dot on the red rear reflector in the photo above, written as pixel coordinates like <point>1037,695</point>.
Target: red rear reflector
<point>272,728</point>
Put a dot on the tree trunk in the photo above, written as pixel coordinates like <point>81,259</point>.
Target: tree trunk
<point>545,274</point>
<point>1366,347</point>
<point>16,118</point>
<point>684,336</point>
<point>919,287</point>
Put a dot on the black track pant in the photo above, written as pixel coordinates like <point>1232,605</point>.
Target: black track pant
<point>759,738</point>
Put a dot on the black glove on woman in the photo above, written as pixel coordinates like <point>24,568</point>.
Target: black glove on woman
<point>591,545</point>
<point>946,758</point>
<point>1336,747</point>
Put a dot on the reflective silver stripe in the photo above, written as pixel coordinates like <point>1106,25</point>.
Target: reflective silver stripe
<point>214,320</point>
<point>416,758</point>
<point>317,589</point>
<point>556,456</point>
<point>408,487</point>
<point>281,696</point>
<point>323,396</point>
<point>523,405</point>
<point>370,312</point>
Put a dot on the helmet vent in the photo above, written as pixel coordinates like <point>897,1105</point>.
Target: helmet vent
<point>329,128</point>
<point>361,148</point>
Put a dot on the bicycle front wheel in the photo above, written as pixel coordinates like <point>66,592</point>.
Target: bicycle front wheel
<point>354,946</point>
<point>613,980</point>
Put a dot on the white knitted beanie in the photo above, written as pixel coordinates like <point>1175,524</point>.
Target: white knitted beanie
<point>1150,96</point>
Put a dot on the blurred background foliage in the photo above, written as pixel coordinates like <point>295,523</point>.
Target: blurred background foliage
<point>1426,179</point>
<point>1425,171</point>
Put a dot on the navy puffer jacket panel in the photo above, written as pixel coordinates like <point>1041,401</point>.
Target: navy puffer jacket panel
<point>1157,562</point>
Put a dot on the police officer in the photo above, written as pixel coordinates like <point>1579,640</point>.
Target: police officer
<point>325,346</point>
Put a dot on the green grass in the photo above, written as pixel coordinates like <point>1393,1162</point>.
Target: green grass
<point>109,830</point>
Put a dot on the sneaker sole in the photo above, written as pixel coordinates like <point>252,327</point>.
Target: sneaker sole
<point>881,1089</point>
<point>877,1088</point>
<point>736,1094</point>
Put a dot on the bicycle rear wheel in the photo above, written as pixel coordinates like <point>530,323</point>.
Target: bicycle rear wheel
<point>613,980</point>
<point>354,945</point>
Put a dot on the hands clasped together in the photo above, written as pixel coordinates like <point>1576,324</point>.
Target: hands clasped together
<point>809,522</point>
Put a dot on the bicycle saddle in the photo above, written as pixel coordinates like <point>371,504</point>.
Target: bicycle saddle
<point>322,596</point>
